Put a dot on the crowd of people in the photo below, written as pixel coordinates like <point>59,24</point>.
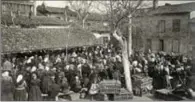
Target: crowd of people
<point>34,76</point>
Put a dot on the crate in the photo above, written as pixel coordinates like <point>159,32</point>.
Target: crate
<point>110,87</point>
<point>141,85</point>
<point>123,95</point>
<point>101,97</point>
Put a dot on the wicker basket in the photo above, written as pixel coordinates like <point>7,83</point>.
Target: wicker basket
<point>123,95</point>
<point>141,85</point>
<point>110,87</point>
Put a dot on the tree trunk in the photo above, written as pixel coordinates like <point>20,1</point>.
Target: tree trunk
<point>125,61</point>
<point>84,19</point>
<point>126,66</point>
<point>130,51</point>
<point>83,23</point>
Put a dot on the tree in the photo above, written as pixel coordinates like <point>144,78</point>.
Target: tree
<point>120,13</point>
<point>82,8</point>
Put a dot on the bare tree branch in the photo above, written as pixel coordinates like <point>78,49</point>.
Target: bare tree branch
<point>82,8</point>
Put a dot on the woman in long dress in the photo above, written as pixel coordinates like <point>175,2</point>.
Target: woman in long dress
<point>20,93</point>
<point>7,87</point>
<point>35,92</point>
<point>46,81</point>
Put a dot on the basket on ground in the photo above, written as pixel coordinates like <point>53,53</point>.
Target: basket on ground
<point>110,86</point>
<point>141,84</point>
<point>123,95</point>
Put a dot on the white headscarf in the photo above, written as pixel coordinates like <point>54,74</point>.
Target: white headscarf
<point>135,63</point>
<point>118,58</point>
<point>5,74</point>
<point>19,78</point>
<point>33,69</point>
<point>46,59</point>
<point>29,61</point>
<point>67,67</point>
<point>41,66</point>
<point>47,68</point>
<point>74,54</point>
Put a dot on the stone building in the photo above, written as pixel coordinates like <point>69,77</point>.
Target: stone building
<point>56,12</point>
<point>192,30</point>
<point>166,28</point>
<point>19,7</point>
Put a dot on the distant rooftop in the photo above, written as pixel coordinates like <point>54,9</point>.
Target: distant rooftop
<point>35,20</point>
<point>176,8</point>
<point>27,2</point>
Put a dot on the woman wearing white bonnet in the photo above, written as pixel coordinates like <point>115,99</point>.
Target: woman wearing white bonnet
<point>20,90</point>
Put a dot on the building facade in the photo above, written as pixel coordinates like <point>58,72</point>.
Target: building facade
<point>192,30</point>
<point>19,7</point>
<point>165,29</point>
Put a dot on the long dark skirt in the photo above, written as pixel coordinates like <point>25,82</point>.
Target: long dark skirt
<point>35,94</point>
<point>7,97</point>
<point>20,95</point>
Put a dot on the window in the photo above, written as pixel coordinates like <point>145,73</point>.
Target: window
<point>161,26</point>
<point>176,25</point>
<point>161,45</point>
<point>175,46</point>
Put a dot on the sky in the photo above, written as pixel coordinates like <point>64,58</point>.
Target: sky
<point>64,3</point>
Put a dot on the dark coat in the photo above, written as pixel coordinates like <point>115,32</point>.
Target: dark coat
<point>53,91</point>
<point>45,83</point>
<point>35,92</point>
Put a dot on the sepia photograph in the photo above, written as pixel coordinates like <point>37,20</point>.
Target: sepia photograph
<point>97,50</point>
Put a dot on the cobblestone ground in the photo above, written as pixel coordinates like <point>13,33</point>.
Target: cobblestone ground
<point>149,97</point>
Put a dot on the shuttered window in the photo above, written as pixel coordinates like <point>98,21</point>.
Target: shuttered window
<point>176,25</point>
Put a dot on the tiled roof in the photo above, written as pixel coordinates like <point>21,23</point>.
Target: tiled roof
<point>95,26</point>
<point>35,20</point>
<point>55,10</point>
<point>21,40</point>
<point>167,9</point>
<point>27,2</point>
<point>178,8</point>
